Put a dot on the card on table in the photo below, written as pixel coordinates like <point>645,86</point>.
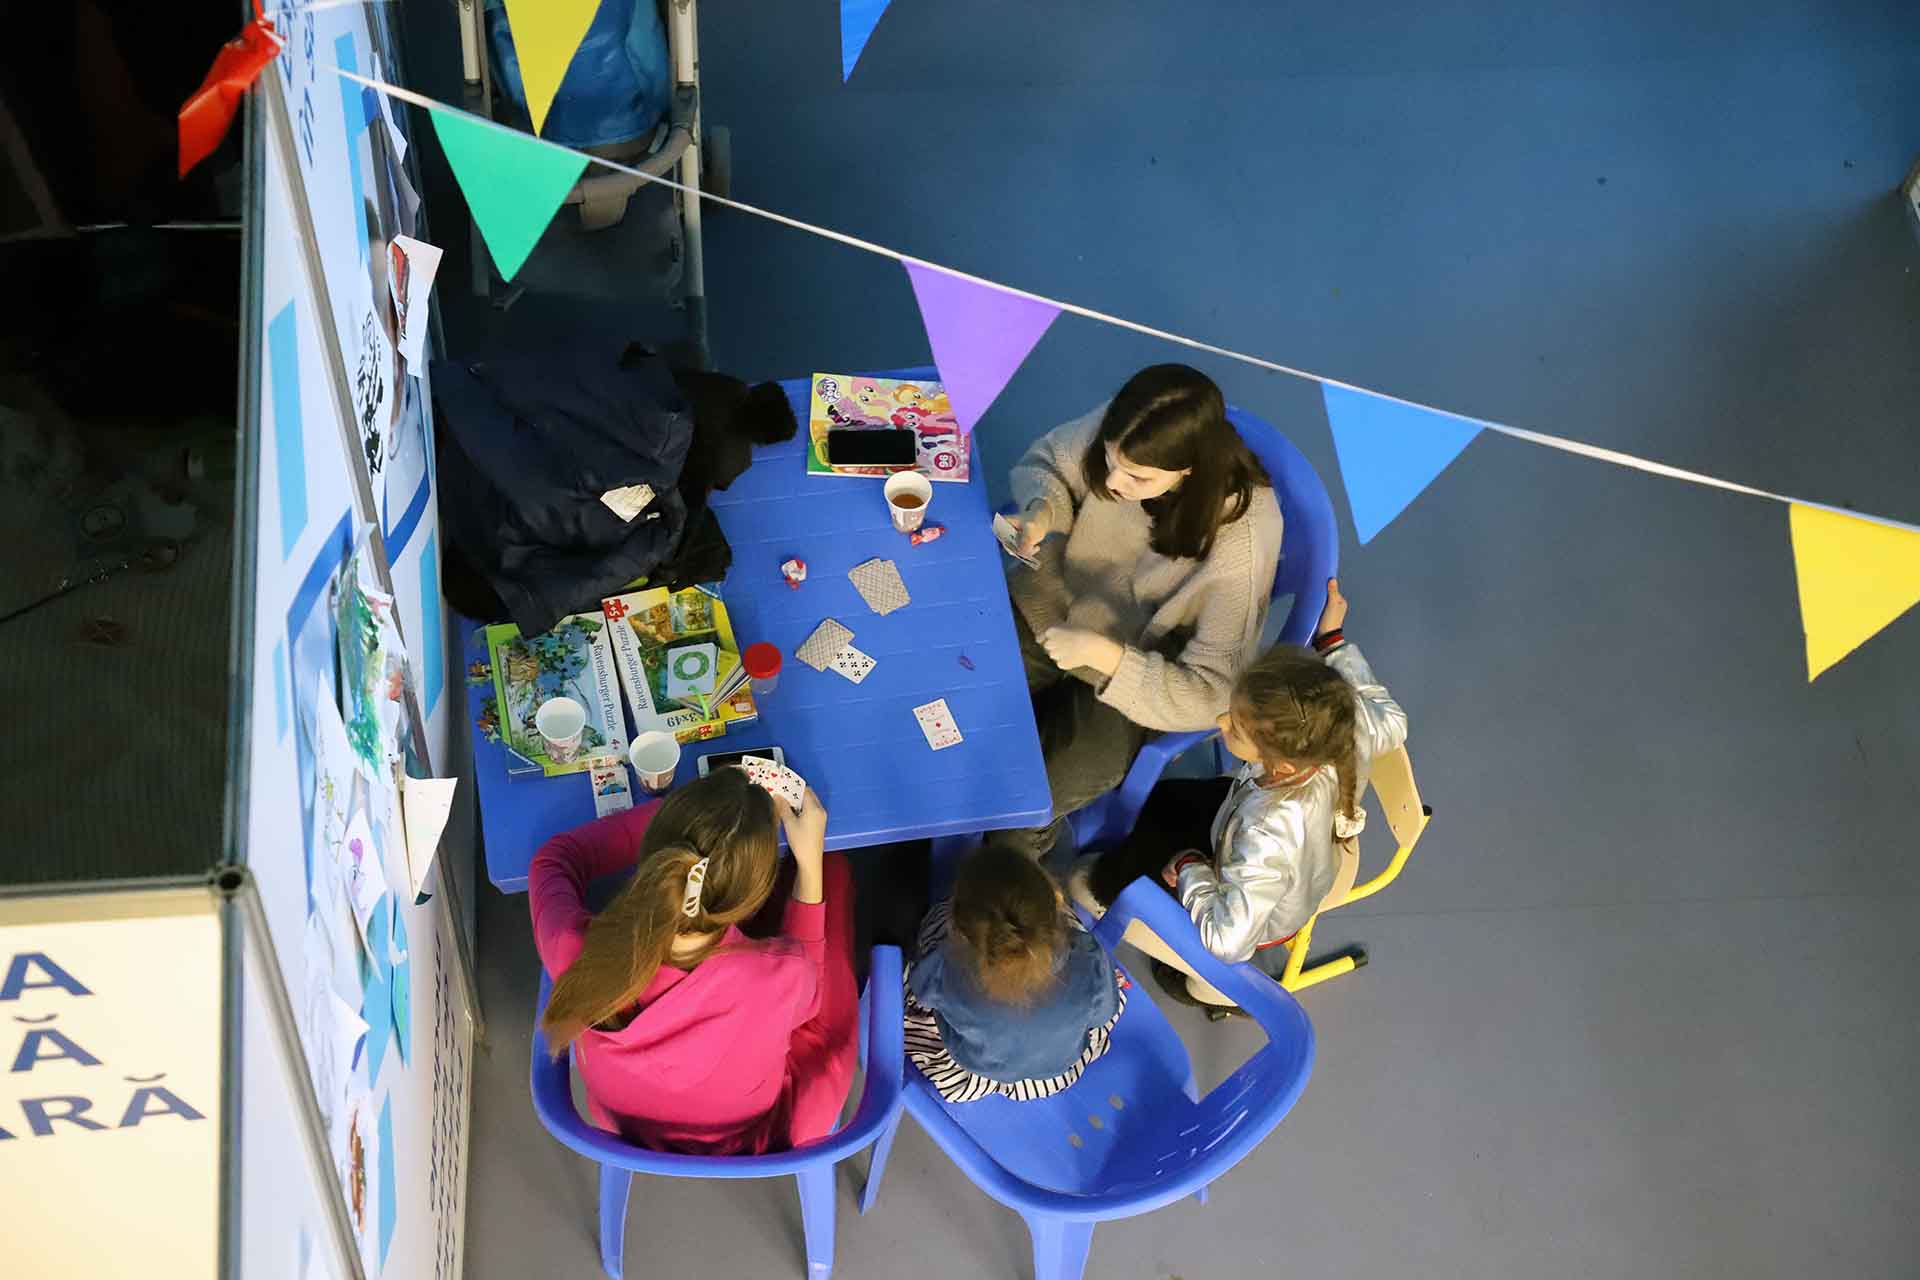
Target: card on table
<point>1010,541</point>
<point>776,778</point>
<point>828,638</point>
<point>853,664</point>
<point>879,584</point>
<point>936,722</point>
<point>612,792</point>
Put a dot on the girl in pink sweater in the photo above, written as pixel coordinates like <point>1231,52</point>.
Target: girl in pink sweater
<point>711,1007</point>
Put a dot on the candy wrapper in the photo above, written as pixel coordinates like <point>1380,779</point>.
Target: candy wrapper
<point>794,571</point>
<point>926,533</point>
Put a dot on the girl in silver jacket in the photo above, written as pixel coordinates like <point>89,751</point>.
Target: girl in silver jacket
<point>1310,723</point>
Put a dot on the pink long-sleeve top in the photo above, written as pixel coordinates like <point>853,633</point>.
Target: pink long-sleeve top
<point>703,1064</point>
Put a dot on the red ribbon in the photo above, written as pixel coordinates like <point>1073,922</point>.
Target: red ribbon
<point>208,114</point>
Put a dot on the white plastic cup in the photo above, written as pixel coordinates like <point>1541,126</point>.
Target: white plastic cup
<point>563,723</point>
<point>654,755</point>
<point>909,494</point>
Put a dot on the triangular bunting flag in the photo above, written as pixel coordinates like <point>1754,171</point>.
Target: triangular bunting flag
<point>546,34</point>
<point>1855,577</point>
<point>512,182</point>
<point>857,21</point>
<point>979,335</point>
<point>1389,452</point>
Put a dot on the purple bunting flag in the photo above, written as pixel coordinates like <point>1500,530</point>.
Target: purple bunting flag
<point>980,334</point>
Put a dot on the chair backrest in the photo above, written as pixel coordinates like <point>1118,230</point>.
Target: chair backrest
<point>1154,1152</point>
<point>550,1081</point>
<point>1390,777</point>
<point>1310,541</point>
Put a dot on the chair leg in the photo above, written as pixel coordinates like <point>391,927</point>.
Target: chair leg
<point>816,1217</point>
<point>1059,1246</point>
<point>614,1185</point>
<point>877,1163</point>
<point>1344,963</point>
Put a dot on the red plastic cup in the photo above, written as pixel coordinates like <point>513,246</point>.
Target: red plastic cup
<point>763,666</point>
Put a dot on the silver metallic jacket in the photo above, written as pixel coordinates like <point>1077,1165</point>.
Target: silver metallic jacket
<point>1274,856</point>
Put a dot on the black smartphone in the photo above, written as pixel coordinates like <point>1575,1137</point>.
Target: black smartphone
<point>721,759</point>
<point>871,447</point>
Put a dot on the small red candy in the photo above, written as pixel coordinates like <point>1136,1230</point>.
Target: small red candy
<point>926,533</point>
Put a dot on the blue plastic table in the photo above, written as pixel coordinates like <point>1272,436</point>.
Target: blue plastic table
<point>859,746</point>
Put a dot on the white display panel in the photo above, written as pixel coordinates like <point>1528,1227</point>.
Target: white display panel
<point>370,973</point>
<point>361,194</point>
<point>110,1106</point>
<point>284,1226</point>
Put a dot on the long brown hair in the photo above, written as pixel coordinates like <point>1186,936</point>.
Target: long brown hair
<point>723,817</point>
<point>1299,710</point>
<point>1007,919</point>
<point>1173,418</point>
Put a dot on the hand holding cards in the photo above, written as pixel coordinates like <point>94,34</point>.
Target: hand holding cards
<point>1009,535</point>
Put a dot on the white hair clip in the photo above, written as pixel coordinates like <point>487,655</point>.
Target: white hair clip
<point>696,877</point>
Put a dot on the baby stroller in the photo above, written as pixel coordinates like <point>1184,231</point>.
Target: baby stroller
<point>631,94</point>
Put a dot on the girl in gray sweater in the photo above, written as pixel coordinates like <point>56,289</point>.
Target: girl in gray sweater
<point>1156,534</point>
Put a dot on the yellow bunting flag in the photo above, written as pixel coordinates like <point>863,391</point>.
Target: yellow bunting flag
<point>1855,576</point>
<point>546,34</point>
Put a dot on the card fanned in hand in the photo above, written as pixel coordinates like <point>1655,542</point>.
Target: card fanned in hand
<point>878,582</point>
<point>828,638</point>
<point>776,778</point>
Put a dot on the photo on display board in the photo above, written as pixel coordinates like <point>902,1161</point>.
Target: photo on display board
<point>389,398</point>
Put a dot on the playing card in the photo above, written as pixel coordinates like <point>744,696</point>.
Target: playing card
<point>611,790</point>
<point>827,639</point>
<point>936,722</point>
<point>776,778</point>
<point>1010,541</point>
<point>878,582</point>
<point>853,664</point>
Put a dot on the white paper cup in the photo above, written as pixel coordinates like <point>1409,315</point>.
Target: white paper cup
<point>654,756</point>
<point>563,723</point>
<point>902,490</point>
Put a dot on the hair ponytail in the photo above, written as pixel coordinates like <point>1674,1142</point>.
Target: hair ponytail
<point>724,818</point>
<point>1300,711</point>
<point>1007,918</point>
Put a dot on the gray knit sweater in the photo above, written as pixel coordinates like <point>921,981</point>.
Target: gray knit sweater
<point>1189,625</point>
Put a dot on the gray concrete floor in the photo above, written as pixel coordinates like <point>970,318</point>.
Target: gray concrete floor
<point>1644,1003</point>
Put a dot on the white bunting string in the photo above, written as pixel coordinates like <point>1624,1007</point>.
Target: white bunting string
<point>1561,443</point>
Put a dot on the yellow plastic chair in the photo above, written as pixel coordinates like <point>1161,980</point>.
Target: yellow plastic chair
<point>1391,779</point>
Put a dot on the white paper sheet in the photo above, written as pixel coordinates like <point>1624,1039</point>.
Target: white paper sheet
<point>360,868</point>
<point>425,804</point>
<point>411,267</point>
<point>386,113</point>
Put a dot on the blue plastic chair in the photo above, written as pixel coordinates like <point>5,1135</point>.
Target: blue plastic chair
<point>812,1166</point>
<point>1131,1134</point>
<point>1309,555</point>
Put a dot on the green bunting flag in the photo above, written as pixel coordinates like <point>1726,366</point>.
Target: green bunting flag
<point>513,182</point>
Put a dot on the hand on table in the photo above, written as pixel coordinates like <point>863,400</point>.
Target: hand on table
<point>1074,647</point>
<point>1334,616</point>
